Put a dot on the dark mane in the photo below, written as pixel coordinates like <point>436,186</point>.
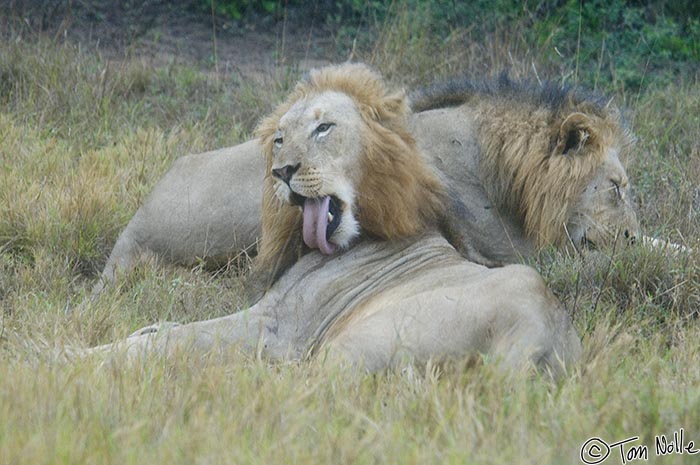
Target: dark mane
<point>550,95</point>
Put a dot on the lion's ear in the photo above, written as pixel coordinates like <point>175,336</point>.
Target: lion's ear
<point>394,105</point>
<point>388,108</point>
<point>575,133</point>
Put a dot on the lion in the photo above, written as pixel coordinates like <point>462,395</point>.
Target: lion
<point>525,167</point>
<point>531,166</point>
<point>189,217</point>
<point>334,183</point>
<point>375,285</point>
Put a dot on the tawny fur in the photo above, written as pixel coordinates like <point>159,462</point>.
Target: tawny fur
<point>399,195</point>
<point>207,206</point>
<point>524,172</point>
<point>540,146</point>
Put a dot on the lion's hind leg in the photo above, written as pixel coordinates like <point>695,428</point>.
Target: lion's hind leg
<point>527,324</point>
<point>506,314</point>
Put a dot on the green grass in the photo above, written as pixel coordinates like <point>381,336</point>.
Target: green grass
<point>83,139</point>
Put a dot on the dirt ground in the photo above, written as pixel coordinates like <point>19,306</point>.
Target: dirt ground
<point>166,32</point>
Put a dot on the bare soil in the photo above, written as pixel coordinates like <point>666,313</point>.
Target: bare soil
<point>165,32</point>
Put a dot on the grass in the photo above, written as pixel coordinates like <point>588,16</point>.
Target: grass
<point>83,138</point>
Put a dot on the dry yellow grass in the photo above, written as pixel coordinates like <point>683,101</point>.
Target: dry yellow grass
<point>79,149</point>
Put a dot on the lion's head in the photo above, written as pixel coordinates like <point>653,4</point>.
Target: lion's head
<point>548,155</point>
<point>577,192</point>
<point>340,162</point>
<point>599,203</point>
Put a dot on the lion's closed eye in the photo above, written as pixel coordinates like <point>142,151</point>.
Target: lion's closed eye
<point>616,189</point>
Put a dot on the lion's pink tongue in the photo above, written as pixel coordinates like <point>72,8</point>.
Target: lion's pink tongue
<point>315,224</point>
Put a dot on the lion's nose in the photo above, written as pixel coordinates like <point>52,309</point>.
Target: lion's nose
<point>285,173</point>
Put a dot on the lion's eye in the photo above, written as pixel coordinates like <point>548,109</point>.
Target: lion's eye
<point>278,142</point>
<point>323,128</point>
<point>616,188</point>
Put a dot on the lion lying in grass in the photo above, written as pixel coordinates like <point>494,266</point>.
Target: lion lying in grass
<point>342,167</point>
<point>526,167</point>
<point>529,166</point>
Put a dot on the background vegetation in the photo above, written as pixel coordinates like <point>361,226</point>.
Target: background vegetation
<point>95,104</point>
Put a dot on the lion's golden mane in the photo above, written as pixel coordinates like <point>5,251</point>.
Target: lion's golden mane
<point>398,194</point>
<point>540,145</point>
<point>542,186</point>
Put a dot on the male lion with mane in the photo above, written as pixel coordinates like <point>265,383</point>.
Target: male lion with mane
<point>383,288</point>
<point>526,166</point>
<point>529,166</point>
<point>357,171</point>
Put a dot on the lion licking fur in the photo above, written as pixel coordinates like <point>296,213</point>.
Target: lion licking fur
<point>383,291</point>
<point>525,167</point>
<point>377,183</point>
